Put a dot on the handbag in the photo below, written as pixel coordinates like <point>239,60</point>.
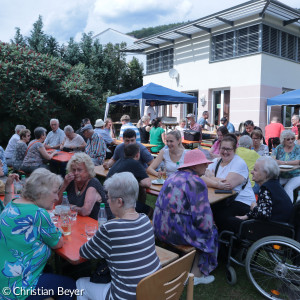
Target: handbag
<point>191,135</point>
<point>102,273</point>
<point>229,200</point>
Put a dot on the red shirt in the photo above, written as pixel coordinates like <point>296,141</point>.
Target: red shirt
<point>295,130</point>
<point>273,130</point>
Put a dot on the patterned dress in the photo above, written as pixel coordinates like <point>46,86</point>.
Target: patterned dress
<point>183,215</point>
<point>26,237</point>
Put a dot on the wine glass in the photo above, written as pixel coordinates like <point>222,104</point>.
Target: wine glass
<point>90,230</point>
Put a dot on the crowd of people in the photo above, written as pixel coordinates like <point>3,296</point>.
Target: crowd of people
<point>246,162</point>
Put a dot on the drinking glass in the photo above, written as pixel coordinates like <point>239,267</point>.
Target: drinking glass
<point>65,224</point>
<point>90,230</point>
<point>73,215</point>
<point>54,218</point>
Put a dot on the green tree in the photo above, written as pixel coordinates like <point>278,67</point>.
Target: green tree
<point>133,77</point>
<point>18,38</point>
<point>38,39</point>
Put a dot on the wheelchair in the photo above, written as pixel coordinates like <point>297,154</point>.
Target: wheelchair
<point>270,253</point>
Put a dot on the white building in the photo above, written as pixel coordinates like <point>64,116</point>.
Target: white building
<point>115,37</point>
<point>232,61</point>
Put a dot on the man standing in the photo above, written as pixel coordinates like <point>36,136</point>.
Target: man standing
<point>130,138</point>
<point>203,120</point>
<point>295,122</point>
<point>95,147</point>
<point>151,111</point>
<point>11,146</point>
<point>192,125</point>
<point>228,125</point>
<point>126,124</point>
<point>273,130</point>
<point>55,137</point>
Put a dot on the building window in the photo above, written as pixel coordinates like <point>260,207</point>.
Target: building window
<point>235,43</point>
<point>280,43</point>
<point>160,61</point>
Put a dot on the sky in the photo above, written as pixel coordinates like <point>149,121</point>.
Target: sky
<point>70,18</point>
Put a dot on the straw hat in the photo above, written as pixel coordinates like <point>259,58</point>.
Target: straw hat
<point>193,158</point>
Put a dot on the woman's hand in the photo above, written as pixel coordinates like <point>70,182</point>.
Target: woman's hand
<point>224,185</point>
<point>11,178</point>
<point>253,204</point>
<point>68,178</point>
<point>245,217</point>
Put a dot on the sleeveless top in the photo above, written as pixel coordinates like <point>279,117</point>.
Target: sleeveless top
<point>145,135</point>
<point>79,200</point>
<point>170,166</point>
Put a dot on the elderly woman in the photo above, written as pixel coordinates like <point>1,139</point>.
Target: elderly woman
<point>85,191</point>
<point>288,153</point>
<point>157,135</point>
<point>183,215</point>
<point>126,243</point>
<point>260,148</point>
<point>72,140</point>
<point>215,149</point>
<point>145,129</point>
<point>27,237</point>
<point>273,202</point>
<point>21,148</point>
<point>230,172</point>
<point>172,157</point>
<point>36,152</point>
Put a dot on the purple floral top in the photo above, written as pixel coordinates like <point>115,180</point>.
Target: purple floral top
<point>183,216</point>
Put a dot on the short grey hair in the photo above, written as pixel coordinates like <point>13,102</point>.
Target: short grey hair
<point>270,167</point>
<point>183,121</point>
<point>18,128</point>
<point>39,131</point>
<point>56,120</point>
<point>245,141</point>
<point>68,128</point>
<point>123,185</point>
<point>40,183</point>
<point>81,157</point>
<point>286,134</point>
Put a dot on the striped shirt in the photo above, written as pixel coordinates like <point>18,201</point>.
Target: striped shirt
<point>96,147</point>
<point>130,126</point>
<point>128,246</point>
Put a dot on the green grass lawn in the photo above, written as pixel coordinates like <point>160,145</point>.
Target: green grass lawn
<point>220,289</point>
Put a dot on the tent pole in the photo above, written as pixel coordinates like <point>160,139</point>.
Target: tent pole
<point>106,111</point>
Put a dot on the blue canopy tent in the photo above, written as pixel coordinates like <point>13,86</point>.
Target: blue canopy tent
<point>289,98</point>
<point>150,92</point>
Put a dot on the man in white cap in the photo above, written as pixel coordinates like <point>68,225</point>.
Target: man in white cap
<point>99,128</point>
<point>95,147</point>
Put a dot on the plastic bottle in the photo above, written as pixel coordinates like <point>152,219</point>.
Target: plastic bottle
<point>23,179</point>
<point>18,187</point>
<point>65,205</point>
<point>102,216</point>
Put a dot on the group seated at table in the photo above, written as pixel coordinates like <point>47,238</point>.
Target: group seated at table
<point>27,237</point>
<point>126,243</point>
<point>182,214</point>
<point>85,192</point>
<point>36,152</point>
<point>171,157</point>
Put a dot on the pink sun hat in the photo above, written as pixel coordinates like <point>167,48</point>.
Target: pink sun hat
<point>193,158</point>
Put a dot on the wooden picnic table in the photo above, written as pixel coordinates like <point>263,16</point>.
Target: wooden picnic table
<point>155,188</point>
<point>118,142</point>
<point>61,156</point>
<point>77,238</point>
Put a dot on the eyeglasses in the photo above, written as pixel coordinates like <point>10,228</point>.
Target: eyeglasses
<point>226,149</point>
<point>290,139</point>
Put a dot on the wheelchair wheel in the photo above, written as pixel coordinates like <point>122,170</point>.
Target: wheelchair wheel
<point>231,275</point>
<point>273,266</point>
